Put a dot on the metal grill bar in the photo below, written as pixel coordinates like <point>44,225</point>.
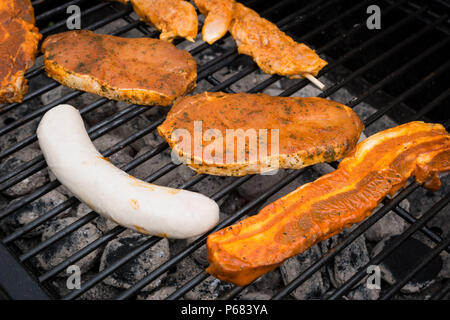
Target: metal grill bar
<point>82,221</point>
<point>68,203</point>
<point>399,71</point>
<point>113,267</point>
<point>101,275</point>
<point>412,6</point>
<point>419,266</point>
<point>110,235</point>
<point>83,13</point>
<point>330,90</point>
<point>94,132</point>
<point>58,10</point>
<point>425,230</point>
<point>180,292</point>
<point>431,76</point>
<point>353,52</point>
<point>437,101</point>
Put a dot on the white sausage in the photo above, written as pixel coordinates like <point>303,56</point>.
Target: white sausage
<point>111,192</point>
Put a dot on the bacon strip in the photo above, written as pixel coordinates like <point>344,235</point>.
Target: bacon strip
<point>378,166</point>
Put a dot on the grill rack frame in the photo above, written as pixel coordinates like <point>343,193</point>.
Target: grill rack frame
<point>206,72</point>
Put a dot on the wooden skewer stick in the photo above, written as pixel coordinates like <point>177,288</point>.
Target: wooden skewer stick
<point>315,81</point>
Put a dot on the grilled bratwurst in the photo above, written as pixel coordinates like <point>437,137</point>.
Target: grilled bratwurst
<point>296,132</point>
<point>19,40</point>
<point>142,70</point>
<point>130,202</point>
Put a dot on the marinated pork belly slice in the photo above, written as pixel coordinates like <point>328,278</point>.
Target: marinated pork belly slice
<point>309,131</point>
<point>19,40</point>
<point>273,50</point>
<point>379,166</point>
<point>142,70</point>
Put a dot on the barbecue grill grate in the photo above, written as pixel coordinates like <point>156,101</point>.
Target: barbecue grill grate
<point>402,67</point>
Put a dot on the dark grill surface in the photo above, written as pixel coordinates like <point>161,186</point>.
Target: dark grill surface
<point>401,70</point>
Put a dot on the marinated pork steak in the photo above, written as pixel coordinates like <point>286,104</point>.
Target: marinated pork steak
<point>378,166</point>
<point>19,40</point>
<point>143,71</point>
<point>239,134</point>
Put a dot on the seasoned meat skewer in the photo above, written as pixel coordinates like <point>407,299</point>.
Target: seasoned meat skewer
<point>297,132</point>
<point>141,70</point>
<point>273,50</point>
<point>379,166</point>
<point>19,40</point>
<point>174,18</point>
<point>219,14</point>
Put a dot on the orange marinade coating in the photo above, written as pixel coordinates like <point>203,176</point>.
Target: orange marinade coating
<point>219,14</point>
<point>174,18</point>
<point>378,166</point>
<point>310,130</point>
<point>272,49</point>
<point>19,40</point>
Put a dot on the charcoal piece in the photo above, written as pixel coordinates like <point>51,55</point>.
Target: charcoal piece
<point>399,263</point>
<point>136,269</point>
<point>316,285</point>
